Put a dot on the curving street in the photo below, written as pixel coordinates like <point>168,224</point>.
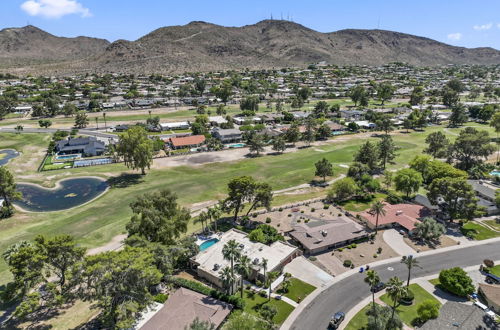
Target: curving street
<point>346,293</point>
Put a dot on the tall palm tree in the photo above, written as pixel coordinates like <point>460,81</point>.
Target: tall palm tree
<point>372,279</point>
<point>243,269</point>
<point>264,265</point>
<point>410,262</point>
<point>377,209</point>
<point>231,251</point>
<point>214,214</point>
<point>271,276</point>
<point>104,117</point>
<point>202,217</point>
<point>228,279</point>
<point>396,291</point>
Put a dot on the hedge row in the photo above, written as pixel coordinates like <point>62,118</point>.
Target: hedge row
<point>237,302</point>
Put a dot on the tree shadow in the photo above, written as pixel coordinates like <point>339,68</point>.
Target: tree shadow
<point>125,180</point>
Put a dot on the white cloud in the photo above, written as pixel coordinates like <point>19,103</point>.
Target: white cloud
<point>54,8</point>
<point>483,27</point>
<point>455,36</point>
<point>498,25</point>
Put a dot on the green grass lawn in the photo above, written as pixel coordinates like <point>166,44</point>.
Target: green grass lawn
<point>477,231</point>
<point>408,314</point>
<point>493,224</point>
<point>435,281</point>
<point>360,320</point>
<point>495,270</point>
<point>359,206</point>
<point>298,290</point>
<point>96,223</point>
<point>254,301</point>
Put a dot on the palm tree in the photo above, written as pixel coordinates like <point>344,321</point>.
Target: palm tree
<point>377,209</point>
<point>227,278</point>
<point>243,269</point>
<point>214,214</point>
<point>264,265</point>
<point>410,262</point>
<point>372,279</point>
<point>231,251</point>
<point>271,276</point>
<point>104,117</point>
<point>396,291</point>
<point>202,217</point>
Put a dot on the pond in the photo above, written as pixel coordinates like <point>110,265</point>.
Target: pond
<point>67,194</point>
<point>6,155</point>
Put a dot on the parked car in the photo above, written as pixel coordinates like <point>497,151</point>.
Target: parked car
<point>336,319</point>
<point>402,232</point>
<point>378,287</point>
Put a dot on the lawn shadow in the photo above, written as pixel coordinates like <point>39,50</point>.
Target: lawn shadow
<point>125,180</point>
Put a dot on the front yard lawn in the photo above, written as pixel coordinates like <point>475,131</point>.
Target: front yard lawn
<point>477,231</point>
<point>254,301</point>
<point>495,270</point>
<point>298,290</point>
<point>408,314</point>
<point>360,320</point>
<point>493,223</point>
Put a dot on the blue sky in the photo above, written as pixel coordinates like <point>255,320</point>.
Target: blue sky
<point>472,23</point>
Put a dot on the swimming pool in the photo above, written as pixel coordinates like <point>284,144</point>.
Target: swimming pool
<point>495,173</point>
<point>236,145</point>
<point>68,157</point>
<point>205,245</point>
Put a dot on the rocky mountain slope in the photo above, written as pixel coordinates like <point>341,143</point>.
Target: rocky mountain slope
<point>200,46</point>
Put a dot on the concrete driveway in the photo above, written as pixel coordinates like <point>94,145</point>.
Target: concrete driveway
<point>396,242</point>
<point>305,271</point>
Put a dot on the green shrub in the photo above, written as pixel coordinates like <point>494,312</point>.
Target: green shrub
<point>325,207</point>
<point>375,255</point>
<point>280,209</point>
<point>456,281</point>
<point>268,220</point>
<point>354,245</point>
<point>340,249</point>
<point>312,258</point>
<point>313,209</point>
<point>428,309</point>
<point>408,298</point>
<point>379,250</point>
<point>347,263</point>
<point>289,215</point>
<point>263,293</point>
<point>258,283</point>
<point>161,298</point>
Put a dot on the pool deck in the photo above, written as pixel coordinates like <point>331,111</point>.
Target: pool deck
<point>200,239</point>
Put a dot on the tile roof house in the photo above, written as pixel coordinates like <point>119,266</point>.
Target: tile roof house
<point>404,215</point>
<point>87,146</point>
<point>335,233</point>
<point>187,141</point>
<point>183,306</point>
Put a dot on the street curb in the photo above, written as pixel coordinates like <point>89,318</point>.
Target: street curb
<point>302,306</point>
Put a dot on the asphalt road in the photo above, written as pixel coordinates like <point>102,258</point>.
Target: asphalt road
<point>347,293</point>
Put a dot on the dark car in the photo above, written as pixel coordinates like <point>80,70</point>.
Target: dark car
<point>378,287</point>
<point>336,319</point>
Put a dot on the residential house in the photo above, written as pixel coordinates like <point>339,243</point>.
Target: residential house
<point>183,307</point>
<point>175,126</point>
<point>396,215</point>
<point>227,135</point>
<point>192,141</point>
<point>87,146</point>
<point>485,192</point>
<point>210,261</point>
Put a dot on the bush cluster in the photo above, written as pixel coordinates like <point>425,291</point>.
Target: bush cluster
<point>456,281</point>
<point>236,301</point>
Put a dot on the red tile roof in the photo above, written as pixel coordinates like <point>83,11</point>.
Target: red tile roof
<point>187,140</point>
<point>407,215</point>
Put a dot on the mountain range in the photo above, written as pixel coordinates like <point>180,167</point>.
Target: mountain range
<point>201,46</point>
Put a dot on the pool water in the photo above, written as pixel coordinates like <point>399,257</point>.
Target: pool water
<point>236,145</point>
<point>205,245</point>
<point>68,194</point>
<point>66,157</point>
<point>495,173</point>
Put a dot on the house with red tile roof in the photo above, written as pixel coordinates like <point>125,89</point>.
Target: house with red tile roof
<point>192,141</point>
<point>404,215</point>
